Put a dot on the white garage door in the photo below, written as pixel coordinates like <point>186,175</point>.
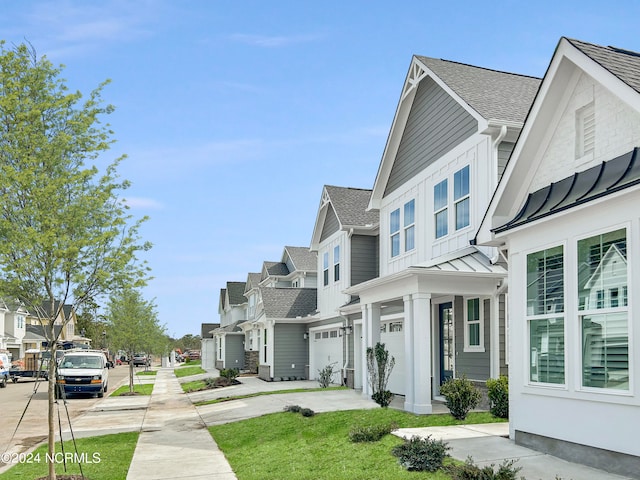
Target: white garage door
<point>325,349</point>
<point>392,336</point>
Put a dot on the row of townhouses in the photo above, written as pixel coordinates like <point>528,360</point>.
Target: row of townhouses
<point>494,241</point>
<point>22,330</point>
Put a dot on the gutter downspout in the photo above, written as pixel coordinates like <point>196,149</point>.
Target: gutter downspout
<point>345,343</point>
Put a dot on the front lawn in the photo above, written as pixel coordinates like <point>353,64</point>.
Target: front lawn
<point>138,388</point>
<point>147,372</point>
<point>102,458</point>
<point>294,447</point>
<point>258,394</point>
<point>188,371</point>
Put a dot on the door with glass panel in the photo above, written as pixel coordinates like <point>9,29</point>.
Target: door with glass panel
<point>446,341</point>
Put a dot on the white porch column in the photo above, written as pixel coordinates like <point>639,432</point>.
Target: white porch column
<point>422,352</point>
<point>371,336</point>
<point>494,337</point>
<point>409,356</point>
<point>366,326</point>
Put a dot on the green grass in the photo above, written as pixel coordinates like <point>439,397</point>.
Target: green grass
<point>258,394</point>
<point>193,386</point>
<point>147,372</point>
<point>299,448</point>
<point>102,458</point>
<point>188,371</point>
<point>140,389</point>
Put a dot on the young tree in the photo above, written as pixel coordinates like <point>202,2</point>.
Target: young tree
<point>379,366</point>
<point>133,326</point>
<point>65,235</point>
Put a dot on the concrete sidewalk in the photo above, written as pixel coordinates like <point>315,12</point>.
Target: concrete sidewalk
<point>174,441</point>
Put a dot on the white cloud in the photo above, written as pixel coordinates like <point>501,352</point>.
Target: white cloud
<point>274,41</point>
<point>143,203</point>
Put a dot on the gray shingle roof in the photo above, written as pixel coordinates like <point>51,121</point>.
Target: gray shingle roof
<point>288,302</point>
<point>624,64</point>
<point>274,268</point>
<point>350,205</point>
<point>303,259</point>
<point>253,279</point>
<point>493,94</point>
<point>235,290</point>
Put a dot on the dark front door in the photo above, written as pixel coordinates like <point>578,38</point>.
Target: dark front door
<point>446,342</point>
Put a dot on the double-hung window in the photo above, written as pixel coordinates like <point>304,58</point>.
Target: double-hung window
<point>440,202</point>
<point>336,263</point>
<point>474,328</point>
<point>602,311</point>
<point>394,229</point>
<point>461,197</point>
<point>325,268</point>
<point>545,316</point>
<point>409,225</point>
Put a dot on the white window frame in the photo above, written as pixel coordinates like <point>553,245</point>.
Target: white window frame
<point>325,269</point>
<point>409,225</point>
<point>480,347</point>
<point>463,198</point>
<point>336,263</point>
<point>394,233</point>
<point>442,209</point>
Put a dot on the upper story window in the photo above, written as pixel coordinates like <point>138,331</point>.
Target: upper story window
<point>325,268</point>
<point>336,263</point>
<point>545,315</point>
<point>406,241</point>
<point>409,225</point>
<point>459,200</point>
<point>440,201</point>
<point>394,228</point>
<point>295,283</point>
<point>20,320</point>
<point>461,197</point>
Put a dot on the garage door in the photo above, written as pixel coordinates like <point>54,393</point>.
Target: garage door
<point>392,335</point>
<point>325,349</point>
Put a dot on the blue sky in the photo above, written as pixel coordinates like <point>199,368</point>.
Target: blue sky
<point>234,114</point>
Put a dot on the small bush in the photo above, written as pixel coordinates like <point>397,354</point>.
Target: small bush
<point>461,396</point>
<point>230,374</point>
<point>370,433</point>
<point>421,454</point>
<point>498,392</point>
<point>470,471</point>
<point>210,382</point>
<point>382,398</point>
<point>293,408</point>
<point>325,376</point>
<point>307,412</point>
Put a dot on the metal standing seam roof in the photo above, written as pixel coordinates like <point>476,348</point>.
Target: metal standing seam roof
<point>469,260</point>
<point>582,187</point>
<point>495,95</point>
<point>350,205</point>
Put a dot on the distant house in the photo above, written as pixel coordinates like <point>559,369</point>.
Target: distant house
<point>64,324</point>
<point>345,238</point>
<point>438,303</point>
<point>13,329</point>
<point>229,338</point>
<point>208,345</point>
<point>279,305</point>
<point>566,216</point>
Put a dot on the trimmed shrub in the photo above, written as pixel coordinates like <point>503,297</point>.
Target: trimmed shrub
<point>370,433</point>
<point>293,408</point>
<point>470,471</point>
<point>379,367</point>
<point>461,396</point>
<point>230,374</point>
<point>421,454</point>
<point>307,412</point>
<point>498,392</point>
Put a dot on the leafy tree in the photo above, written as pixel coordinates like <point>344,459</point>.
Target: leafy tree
<point>66,237</point>
<point>134,327</point>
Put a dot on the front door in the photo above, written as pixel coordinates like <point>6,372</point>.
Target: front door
<point>446,342</point>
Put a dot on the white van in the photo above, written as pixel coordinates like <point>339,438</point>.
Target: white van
<point>83,371</point>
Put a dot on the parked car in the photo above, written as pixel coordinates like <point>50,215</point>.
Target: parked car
<point>141,360</point>
<point>83,371</point>
<point>5,365</point>
<point>193,354</point>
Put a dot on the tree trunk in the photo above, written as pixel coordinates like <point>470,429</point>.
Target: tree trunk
<point>51,368</point>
